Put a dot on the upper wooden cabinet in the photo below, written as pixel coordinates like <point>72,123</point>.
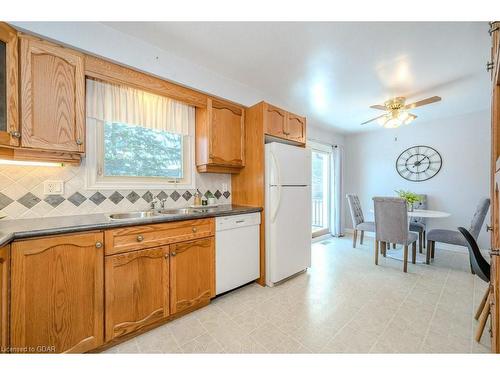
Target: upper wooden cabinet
<point>295,128</point>
<point>495,51</point>
<point>4,298</point>
<point>282,124</point>
<point>192,273</point>
<point>57,293</point>
<point>274,121</point>
<point>137,290</point>
<point>220,129</point>
<point>52,97</point>
<point>9,111</point>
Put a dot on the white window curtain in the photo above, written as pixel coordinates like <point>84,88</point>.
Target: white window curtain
<point>337,207</point>
<point>113,103</point>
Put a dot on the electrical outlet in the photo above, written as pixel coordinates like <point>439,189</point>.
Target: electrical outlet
<point>224,187</point>
<point>53,187</point>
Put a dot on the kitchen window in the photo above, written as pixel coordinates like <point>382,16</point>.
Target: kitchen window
<point>137,140</point>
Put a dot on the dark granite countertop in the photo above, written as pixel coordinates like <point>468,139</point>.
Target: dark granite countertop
<point>26,228</point>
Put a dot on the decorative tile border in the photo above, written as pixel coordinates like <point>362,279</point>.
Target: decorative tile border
<point>22,193</point>
<point>29,200</point>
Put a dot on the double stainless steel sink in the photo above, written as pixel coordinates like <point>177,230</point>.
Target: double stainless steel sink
<point>156,213</point>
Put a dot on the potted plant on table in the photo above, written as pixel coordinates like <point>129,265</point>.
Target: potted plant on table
<point>410,197</point>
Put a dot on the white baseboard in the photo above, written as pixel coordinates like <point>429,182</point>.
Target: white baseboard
<point>444,246</point>
<point>322,238</point>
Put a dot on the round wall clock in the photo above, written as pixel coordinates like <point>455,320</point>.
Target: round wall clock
<point>419,163</point>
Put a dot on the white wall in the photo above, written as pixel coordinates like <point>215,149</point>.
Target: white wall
<point>321,134</point>
<point>464,144</point>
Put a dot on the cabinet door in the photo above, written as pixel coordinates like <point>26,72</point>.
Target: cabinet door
<point>9,119</point>
<point>495,269</point>
<point>226,135</point>
<point>192,273</point>
<point>52,97</point>
<point>4,298</point>
<point>137,285</point>
<point>296,128</point>
<point>275,121</point>
<point>57,293</point>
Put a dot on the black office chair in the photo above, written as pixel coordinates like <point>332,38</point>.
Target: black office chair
<point>481,268</point>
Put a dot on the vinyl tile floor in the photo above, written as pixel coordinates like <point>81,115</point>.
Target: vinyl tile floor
<point>342,304</point>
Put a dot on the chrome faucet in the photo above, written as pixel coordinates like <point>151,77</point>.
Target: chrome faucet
<point>155,202</point>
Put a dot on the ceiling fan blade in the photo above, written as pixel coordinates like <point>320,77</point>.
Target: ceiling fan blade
<point>373,119</point>
<point>422,102</point>
<point>378,106</point>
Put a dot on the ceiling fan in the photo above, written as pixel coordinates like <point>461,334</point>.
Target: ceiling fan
<point>397,112</point>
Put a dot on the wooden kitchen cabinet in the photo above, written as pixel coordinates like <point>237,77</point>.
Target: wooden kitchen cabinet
<point>52,93</point>
<point>282,124</point>
<point>9,118</point>
<point>57,285</point>
<point>137,290</point>
<point>295,128</point>
<point>220,129</point>
<point>192,273</point>
<point>275,121</point>
<point>4,297</point>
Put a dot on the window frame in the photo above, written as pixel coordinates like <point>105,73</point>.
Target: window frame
<point>95,158</point>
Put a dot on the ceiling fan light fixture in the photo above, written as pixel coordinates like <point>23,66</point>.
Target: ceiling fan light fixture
<point>403,115</point>
<point>392,123</point>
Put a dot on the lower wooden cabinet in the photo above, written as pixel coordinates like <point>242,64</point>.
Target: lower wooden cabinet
<point>4,298</point>
<point>57,297</point>
<point>192,273</point>
<point>137,290</point>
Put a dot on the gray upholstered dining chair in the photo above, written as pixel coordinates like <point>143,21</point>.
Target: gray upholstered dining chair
<point>454,237</point>
<point>358,220</point>
<point>391,226</point>
<point>417,224</point>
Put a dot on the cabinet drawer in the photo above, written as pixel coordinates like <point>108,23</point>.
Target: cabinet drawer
<point>145,236</point>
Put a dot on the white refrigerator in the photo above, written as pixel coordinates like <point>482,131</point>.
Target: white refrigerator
<point>288,211</point>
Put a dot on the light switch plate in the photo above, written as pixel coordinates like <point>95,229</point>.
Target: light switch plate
<point>53,187</point>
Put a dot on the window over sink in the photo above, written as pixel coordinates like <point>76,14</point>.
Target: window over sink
<point>137,139</point>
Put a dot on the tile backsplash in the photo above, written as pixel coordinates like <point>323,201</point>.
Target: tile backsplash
<point>22,194</point>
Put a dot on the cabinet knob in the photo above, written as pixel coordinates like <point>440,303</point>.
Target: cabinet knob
<point>79,142</point>
<point>194,229</point>
<point>98,245</point>
<point>167,255</point>
<point>173,253</point>
<point>15,134</point>
<point>140,238</point>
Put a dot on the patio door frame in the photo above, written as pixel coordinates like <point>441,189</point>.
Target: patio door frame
<point>326,149</point>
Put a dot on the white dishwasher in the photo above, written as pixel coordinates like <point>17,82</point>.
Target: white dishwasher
<point>237,257</point>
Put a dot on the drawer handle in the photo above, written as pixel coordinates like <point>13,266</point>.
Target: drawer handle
<point>173,253</point>
<point>98,245</point>
<point>240,221</point>
<point>140,238</point>
<point>194,229</point>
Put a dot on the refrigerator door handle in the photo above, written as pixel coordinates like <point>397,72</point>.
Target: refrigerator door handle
<point>278,186</point>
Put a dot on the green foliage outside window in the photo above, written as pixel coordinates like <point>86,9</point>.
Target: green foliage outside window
<point>135,151</point>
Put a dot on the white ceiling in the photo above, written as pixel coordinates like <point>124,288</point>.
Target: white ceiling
<point>332,72</point>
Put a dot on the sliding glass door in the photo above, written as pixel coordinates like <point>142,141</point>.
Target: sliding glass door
<point>321,188</point>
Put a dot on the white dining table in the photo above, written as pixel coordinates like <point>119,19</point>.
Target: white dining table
<point>428,214</point>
